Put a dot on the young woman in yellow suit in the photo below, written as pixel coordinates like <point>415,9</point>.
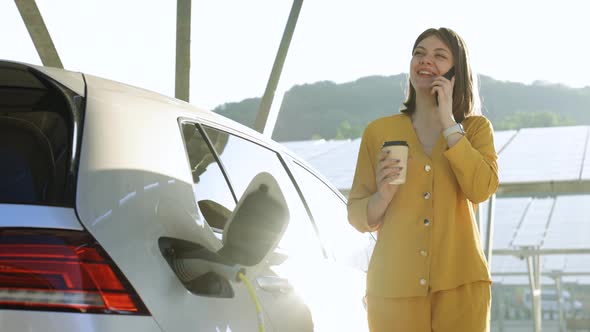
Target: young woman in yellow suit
<point>428,271</point>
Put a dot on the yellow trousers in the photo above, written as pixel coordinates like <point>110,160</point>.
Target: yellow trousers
<point>463,309</point>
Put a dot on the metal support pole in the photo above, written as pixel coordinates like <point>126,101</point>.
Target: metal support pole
<point>183,50</point>
<point>490,229</point>
<point>39,34</point>
<point>535,283</point>
<point>560,304</point>
<point>479,219</point>
<point>500,304</point>
<point>531,251</point>
<point>277,68</point>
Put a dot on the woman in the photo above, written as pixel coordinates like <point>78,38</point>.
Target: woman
<point>428,271</point>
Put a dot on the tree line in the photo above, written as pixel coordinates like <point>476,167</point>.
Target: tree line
<point>339,111</point>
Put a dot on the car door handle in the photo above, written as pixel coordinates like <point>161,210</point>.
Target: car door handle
<point>274,284</point>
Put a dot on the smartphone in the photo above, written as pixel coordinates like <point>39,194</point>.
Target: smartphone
<point>448,75</point>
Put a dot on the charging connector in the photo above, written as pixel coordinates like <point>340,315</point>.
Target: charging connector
<point>188,269</point>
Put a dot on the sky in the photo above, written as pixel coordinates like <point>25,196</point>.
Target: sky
<point>234,42</point>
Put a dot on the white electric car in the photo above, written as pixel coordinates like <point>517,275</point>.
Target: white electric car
<point>125,210</point>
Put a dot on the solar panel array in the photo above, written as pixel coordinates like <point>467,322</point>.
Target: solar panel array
<point>502,138</point>
<point>544,154</point>
<point>336,160</point>
<point>586,168</point>
<point>561,222</point>
<point>525,156</point>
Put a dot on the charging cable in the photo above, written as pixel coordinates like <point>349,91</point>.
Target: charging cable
<point>259,313</point>
<point>189,268</point>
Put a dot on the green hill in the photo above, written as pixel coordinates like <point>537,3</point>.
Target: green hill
<point>329,110</point>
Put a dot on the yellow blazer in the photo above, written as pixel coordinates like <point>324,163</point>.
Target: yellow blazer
<point>429,239</point>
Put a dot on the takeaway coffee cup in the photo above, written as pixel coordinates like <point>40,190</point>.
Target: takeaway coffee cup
<point>398,150</point>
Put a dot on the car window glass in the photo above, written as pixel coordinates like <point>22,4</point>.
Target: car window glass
<point>346,244</point>
<point>34,158</point>
<point>243,160</point>
<point>212,192</point>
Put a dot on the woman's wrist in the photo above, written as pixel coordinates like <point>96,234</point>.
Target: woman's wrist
<point>448,123</point>
<point>376,209</point>
<point>381,200</point>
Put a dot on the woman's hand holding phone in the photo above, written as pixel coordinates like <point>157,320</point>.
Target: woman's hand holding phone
<point>442,87</point>
<point>448,75</point>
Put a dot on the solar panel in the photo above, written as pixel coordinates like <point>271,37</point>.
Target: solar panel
<point>544,154</point>
<point>513,264</point>
<point>508,215</point>
<point>524,280</point>
<point>586,168</point>
<point>580,280</point>
<point>501,138</point>
<point>340,163</point>
<point>551,263</point>
<point>577,263</point>
<point>311,149</point>
<point>532,229</point>
<point>336,160</point>
<point>570,223</point>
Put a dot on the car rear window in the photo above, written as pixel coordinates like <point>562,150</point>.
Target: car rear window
<point>36,135</point>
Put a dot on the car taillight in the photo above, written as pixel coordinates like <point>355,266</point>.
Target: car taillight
<point>62,270</point>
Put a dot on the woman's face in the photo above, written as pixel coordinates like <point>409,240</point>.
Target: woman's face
<point>431,58</point>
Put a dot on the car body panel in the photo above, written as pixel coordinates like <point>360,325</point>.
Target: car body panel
<point>331,293</point>
<point>19,215</point>
<point>17,320</point>
<point>135,187</point>
<point>72,80</point>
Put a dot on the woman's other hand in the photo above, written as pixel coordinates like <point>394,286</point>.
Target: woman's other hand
<point>388,170</point>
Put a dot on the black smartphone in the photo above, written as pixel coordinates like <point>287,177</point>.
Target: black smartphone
<point>448,75</point>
